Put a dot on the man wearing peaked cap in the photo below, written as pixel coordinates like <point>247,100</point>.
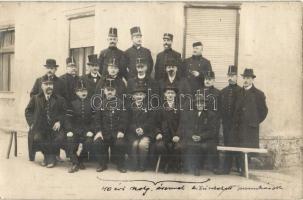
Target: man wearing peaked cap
<point>137,51</point>
<point>167,54</point>
<point>250,111</point>
<point>91,79</point>
<point>196,66</point>
<point>110,52</point>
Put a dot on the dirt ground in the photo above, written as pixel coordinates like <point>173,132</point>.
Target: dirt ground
<point>22,179</point>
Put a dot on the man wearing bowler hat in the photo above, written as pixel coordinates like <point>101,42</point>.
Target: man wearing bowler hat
<point>137,51</point>
<point>250,111</point>
<point>91,79</point>
<point>112,51</point>
<point>166,54</point>
<point>196,66</point>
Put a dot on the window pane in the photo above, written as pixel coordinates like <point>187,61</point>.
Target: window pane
<point>5,60</point>
<point>88,51</point>
<point>81,57</point>
<point>7,39</point>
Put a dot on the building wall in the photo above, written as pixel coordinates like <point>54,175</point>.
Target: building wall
<point>270,41</point>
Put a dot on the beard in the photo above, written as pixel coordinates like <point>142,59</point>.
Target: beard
<point>231,82</point>
<point>48,90</point>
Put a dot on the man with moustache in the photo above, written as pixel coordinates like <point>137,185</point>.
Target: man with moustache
<point>111,123</point>
<point>228,101</point>
<point>250,111</point>
<point>167,53</point>
<point>196,66</point>
<point>137,51</point>
<point>110,52</point>
<point>91,79</point>
<point>45,115</point>
<point>79,127</point>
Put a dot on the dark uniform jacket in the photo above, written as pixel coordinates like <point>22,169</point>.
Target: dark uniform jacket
<point>59,87</point>
<point>131,57</point>
<point>147,82</point>
<point>91,83</point>
<point>180,83</point>
<point>196,63</point>
<point>112,52</point>
<point>117,82</point>
<point>111,119</point>
<point>70,83</point>
<point>161,59</point>
<point>81,119</point>
<point>250,111</point>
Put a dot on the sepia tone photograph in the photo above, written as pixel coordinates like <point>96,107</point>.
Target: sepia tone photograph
<point>151,100</point>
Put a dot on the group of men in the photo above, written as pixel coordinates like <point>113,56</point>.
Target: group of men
<point>118,113</point>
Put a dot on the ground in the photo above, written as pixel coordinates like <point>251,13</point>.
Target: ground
<point>22,179</point>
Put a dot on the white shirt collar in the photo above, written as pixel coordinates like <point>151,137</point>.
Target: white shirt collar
<point>94,75</point>
<point>171,79</point>
<point>247,88</point>
<point>141,77</point>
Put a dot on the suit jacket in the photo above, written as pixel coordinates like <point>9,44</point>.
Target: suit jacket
<point>70,83</point>
<point>118,82</point>
<point>131,57</point>
<point>148,82</point>
<point>161,59</point>
<point>180,83</point>
<point>59,87</point>
<point>90,83</point>
<point>109,53</point>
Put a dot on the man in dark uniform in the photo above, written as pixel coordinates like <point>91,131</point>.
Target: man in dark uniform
<point>110,52</point>
<point>111,123</point>
<point>59,86</point>
<point>250,111</point>
<point>228,101</point>
<point>45,114</point>
<point>165,55</point>
<point>137,51</point>
<point>168,143</point>
<point>70,79</point>
<point>112,69</point>
<point>196,66</point>
<point>141,129</point>
<point>91,79</point>
<point>80,127</point>
<point>198,130</point>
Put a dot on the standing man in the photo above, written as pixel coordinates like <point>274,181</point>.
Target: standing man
<point>250,111</point>
<point>91,79</point>
<point>45,115</point>
<point>58,84</point>
<point>165,55</point>
<point>110,52</point>
<point>196,66</point>
<point>228,101</point>
<point>137,51</point>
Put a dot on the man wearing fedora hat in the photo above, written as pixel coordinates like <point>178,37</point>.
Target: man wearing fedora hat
<point>112,51</point>
<point>45,115</point>
<point>137,51</point>
<point>250,111</point>
<point>196,66</point>
<point>167,53</point>
<point>91,79</point>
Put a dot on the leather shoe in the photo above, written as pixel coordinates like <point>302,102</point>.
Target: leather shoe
<point>73,169</point>
<point>51,165</point>
<point>197,172</point>
<point>101,168</point>
<point>122,169</point>
<point>43,163</point>
<point>81,166</point>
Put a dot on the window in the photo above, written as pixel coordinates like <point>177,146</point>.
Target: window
<point>217,29</point>
<point>82,39</point>
<point>7,42</point>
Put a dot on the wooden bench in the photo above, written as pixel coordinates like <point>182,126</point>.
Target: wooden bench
<point>12,131</point>
<point>245,151</point>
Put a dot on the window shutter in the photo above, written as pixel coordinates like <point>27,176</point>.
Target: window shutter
<point>82,32</point>
<point>217,30</point>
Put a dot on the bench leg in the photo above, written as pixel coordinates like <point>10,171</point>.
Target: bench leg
<point>246,165</point>
<point>9,145</point>
<point>158,163</point>
<point>16,144</point>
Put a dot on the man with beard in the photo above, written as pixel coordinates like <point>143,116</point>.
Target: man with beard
<point>163,56</point>
<point>137,51</point>
<point>111,123</point>
<point>196,66</point>
<point>250,112</point>
<point>91,79</point>
<point>228,101</point>
<point>79,128</point>
<point>110,52</point>
<point>141,127</point>
<point>167,141</point>
<point>45,115</point>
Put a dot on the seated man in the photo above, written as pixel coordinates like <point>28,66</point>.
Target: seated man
<point>199,133</point>
<point>141,127</point>
<point>110,123</point>
<point>45,114</point>
<point>168,138</point>
<point>80,127</point>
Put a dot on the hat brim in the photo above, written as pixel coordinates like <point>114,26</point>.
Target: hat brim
<point>92,64</point>
<point>51,66</point>
<point>136,34</point>
<point>43,82</point>
<point>245,75</point>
